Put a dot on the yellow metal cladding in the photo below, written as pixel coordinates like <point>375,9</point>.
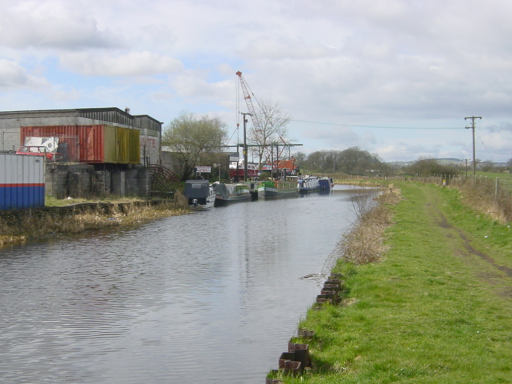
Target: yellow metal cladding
<point>121,145</point>
<point>109,144</point>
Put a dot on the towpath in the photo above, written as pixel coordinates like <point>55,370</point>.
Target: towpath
<point>490,265</point>
<point>436,309</point>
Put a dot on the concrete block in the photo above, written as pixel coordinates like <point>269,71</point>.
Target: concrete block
<point>301,352</point>
<point>305,333</point>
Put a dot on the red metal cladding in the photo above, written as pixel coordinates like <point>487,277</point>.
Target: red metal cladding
<point>92,149</point>
<point>90,143</point>
<point>83,143</point>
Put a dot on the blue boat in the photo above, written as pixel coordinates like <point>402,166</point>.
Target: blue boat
<point>308,184</point>
<point>325,185</point>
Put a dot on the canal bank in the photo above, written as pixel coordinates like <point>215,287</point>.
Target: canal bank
<point>435,308</point>
<point>363,244</point>
<point>35,224</point>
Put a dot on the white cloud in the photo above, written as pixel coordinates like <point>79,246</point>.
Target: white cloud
<point>194,86</point>
<point>66,95</point>
<point>494,142</point>
<point>50,24</point>
<point>13,75</point>
<point>285,49</point>
<point>113,63</point>
<point>404,151</point>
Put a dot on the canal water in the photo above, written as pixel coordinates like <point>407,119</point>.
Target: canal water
<point>211,297</point>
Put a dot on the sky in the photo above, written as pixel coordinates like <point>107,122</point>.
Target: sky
<point>392,77</point>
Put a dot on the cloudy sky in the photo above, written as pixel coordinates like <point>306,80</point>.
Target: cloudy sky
<point>393,77</point>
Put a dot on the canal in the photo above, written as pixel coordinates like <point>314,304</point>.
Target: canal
<point>211,297</point>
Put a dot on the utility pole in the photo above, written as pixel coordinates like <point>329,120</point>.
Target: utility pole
<point>271,158</point>
<point>244,114</point>
<point>473,118</point>
<point>277,160</point>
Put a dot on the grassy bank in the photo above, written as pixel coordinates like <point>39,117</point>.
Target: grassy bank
<point>51,201</point>
<point>437,308</point>
<point>71,217</point>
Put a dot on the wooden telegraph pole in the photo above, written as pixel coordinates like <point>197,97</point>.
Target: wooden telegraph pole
<point>473,118</point>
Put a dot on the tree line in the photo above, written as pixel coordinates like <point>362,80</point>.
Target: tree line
<point>199,140</point>
<point>351,161</point>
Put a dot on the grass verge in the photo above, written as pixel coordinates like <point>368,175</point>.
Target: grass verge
<point>436,309</point>
<point>365,242</point>
<point>35,225</point>
<point>51,201</point>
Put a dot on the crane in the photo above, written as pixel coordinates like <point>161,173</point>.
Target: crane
<point>248,100</point>
<point>257,112</point>
<point>252,112</point>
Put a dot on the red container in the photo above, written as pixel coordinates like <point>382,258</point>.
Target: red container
<point>91,143</point>
<point>80,142</point>
<point>92,148</point>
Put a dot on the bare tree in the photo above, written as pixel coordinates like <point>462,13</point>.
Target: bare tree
<point>272,129</point>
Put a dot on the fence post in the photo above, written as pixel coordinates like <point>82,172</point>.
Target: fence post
<point>496,190</point>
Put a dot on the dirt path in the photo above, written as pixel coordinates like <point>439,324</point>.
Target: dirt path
<point>460,243</point>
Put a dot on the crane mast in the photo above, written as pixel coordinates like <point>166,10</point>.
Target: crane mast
<point>248,100</point>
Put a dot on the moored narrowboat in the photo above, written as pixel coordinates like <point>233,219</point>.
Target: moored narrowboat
<point>231,193</point>
<point>200,194</point>
<point>325,185</point>
<point>277,189</point>
<point>308,184</point>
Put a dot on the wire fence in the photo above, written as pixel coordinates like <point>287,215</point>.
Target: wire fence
<point>489,194</point>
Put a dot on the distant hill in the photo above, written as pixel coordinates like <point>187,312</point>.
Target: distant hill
<point>444,161</point>
<point>451,161</point>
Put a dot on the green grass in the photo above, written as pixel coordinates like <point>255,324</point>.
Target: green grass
<point>486,234</point>
<point>504,178</point>
<point>51,201</point>
<point>501,175</point>
<point>431,311</point>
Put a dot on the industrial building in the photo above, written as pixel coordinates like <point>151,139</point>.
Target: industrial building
<point>98,151</point>
<point>71,125</point>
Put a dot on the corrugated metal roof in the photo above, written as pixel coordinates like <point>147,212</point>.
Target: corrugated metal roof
<point>106,114</point>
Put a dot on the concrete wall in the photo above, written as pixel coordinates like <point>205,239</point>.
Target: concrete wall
<point>60,179</point>
<point>149,148</point>
<point>86,181</point>
<point>150,137</point>
<point>169,160</point>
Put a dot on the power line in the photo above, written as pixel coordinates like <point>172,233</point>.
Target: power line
<point>233,134</point>
<point>374,126</point>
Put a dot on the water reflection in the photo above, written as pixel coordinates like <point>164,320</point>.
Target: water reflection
<point>202,298</point>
